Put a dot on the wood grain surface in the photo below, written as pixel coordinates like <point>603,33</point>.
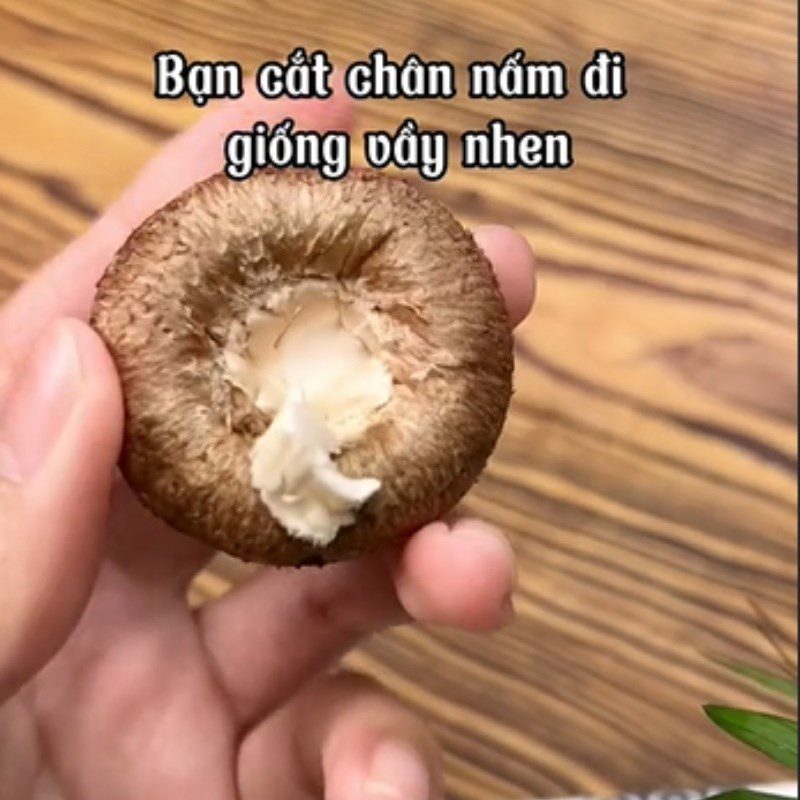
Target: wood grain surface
<point>647,472</point>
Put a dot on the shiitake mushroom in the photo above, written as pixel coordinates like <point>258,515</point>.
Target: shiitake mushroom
<point>311,369</point>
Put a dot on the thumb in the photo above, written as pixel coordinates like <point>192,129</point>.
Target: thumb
<point>60,433</point>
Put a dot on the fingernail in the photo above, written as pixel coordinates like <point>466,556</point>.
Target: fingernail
<point>41,399</point>
<point>485,532</point>
<point>507,611</point>
<point>397,772</point>
<point>476,528</point>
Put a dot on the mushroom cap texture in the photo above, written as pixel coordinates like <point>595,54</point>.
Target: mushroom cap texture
<point>166,304</point>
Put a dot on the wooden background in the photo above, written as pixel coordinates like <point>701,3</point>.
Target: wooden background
<point>646,475</point>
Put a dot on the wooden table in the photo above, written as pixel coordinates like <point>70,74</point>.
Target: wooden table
<point>646,475</point>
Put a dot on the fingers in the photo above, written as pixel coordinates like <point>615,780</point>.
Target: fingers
<point>271,635</point>
<point>60,432</point>
<point>513,261</point>
<point>198,153</point>
<point>462,576</point>
<point>344,738</point>
<point>65,286</point>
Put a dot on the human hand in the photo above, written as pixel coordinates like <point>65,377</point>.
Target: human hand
<point>110,685</point>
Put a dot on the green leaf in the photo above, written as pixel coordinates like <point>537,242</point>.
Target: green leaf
<point>745,794</point>
<point>774,736</point>
<point>778,684</point>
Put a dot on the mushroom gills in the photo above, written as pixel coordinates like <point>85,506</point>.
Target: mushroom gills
<point>305,364</point>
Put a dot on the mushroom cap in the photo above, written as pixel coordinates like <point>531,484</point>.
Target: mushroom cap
<point>165,308</point>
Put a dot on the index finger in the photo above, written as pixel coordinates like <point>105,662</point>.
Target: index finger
<point>65,285</point>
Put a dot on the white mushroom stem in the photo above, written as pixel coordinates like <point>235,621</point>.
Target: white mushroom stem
<point>322,387</point>
<point>298,480</point>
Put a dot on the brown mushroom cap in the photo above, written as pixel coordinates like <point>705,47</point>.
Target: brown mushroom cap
<point>166,305</point>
